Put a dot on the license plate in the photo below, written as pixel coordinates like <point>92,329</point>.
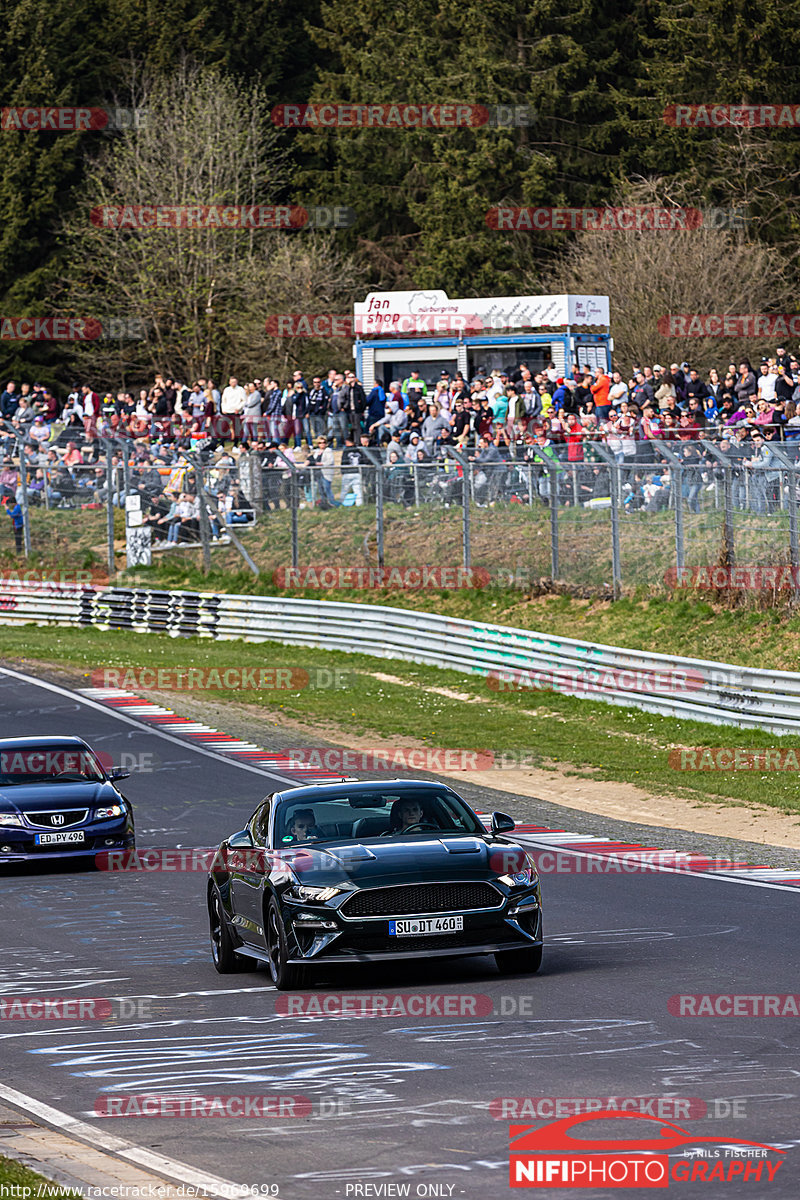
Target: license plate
<point>425,925</point>
<point>59,839</point>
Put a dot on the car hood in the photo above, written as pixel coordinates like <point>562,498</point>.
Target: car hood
<point>39,797</point>
<point>375,863</point>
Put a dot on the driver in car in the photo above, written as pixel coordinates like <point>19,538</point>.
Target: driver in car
<point>408,813</point>
<point>302,827</point>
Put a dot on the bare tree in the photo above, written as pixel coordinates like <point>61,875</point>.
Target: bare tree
<point>200,295</point>
<point>650,275</point>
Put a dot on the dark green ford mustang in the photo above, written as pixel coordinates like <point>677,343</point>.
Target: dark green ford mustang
<point>366,872</point>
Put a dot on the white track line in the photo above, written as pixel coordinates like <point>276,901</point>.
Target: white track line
<point>156,730</point>
<point>719,875</point>
<point>213,1185</point>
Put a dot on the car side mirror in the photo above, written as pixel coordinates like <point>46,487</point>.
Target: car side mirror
<point>502,823</point>
<point>118,773</point>
<point>242,840</point>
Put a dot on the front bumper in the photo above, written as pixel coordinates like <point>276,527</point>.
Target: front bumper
<point>18,844</point>
<point>517,926</point>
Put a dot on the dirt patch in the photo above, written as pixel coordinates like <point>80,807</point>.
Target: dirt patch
<point>557,784</point>
<point>618,801</point>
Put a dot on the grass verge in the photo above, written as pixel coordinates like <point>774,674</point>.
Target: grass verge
<point>440,708</point>
<point>28,1185</point>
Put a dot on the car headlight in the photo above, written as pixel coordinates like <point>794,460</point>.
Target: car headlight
<point>523,878</point>
<point>303,892</point>
<point>10,819</point>
<point>114,810</point>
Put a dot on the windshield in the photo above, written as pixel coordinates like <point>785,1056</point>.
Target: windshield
<point>44,764</point>
<point>384,812</point>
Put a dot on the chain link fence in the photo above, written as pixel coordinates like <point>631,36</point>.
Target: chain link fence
<point>609,522</point>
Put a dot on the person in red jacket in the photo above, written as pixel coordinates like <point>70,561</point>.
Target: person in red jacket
<point>574,439</point>
<point>600,389</point>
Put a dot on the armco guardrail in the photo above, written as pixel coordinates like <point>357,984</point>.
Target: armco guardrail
<point>509,658</point>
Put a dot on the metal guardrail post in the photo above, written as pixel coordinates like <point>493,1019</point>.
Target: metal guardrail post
<point>794,544</point>
<point>205,524</point>
<point>294,504</point>
<point>613,473</point>
<point>728,548</point>
<point>552,471</point>
<point>205,498</point>
<point>466,538</point>
<point>294,501</point>
<point>676,469</point>
<point>23,483</point>
<point>554,521</point>
<point>379,481</point>
<point>126,467</point>
<point>112,561</point>
<point>374,457</point>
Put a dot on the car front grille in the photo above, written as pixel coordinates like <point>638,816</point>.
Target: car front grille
<point>420,899</point>
<point>62,818</point>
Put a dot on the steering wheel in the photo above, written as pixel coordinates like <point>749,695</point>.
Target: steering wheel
<point>72,776</point>
<point>417,825</point>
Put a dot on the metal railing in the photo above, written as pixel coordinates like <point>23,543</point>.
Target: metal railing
<point>508,658</point>
<point>608,522</point>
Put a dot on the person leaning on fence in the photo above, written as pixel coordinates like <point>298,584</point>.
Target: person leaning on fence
<point>324,463</point>
<point>352,461</point>
<point>765,477</point>
<point>487,479</point>
<point>14,510</point>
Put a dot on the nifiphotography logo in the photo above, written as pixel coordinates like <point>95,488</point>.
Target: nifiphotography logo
<point>553,1156</point>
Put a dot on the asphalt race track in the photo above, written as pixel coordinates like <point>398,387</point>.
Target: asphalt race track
<point>394,1102</point>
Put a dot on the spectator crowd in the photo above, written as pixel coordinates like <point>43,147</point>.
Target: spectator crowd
<point>502,422</point>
